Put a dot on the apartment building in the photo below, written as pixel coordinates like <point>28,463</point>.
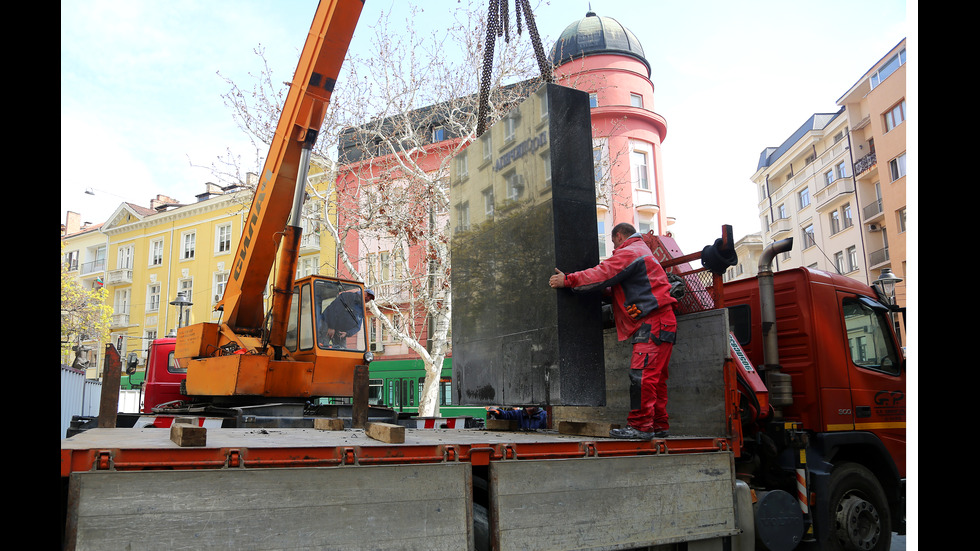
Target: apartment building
<point>806,191</point>
<point>166,265</point>
<point>876,111</point>
<point>837,184</point>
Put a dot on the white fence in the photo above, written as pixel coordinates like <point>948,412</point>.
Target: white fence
<point>81,396</point>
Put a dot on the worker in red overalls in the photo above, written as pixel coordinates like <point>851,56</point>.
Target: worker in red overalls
<point>644,314</point>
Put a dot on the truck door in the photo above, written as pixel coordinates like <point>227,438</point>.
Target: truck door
<point>876,370</point>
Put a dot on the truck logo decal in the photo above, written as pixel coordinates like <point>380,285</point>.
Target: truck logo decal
<point>889,398</point>
<point>247,238</point>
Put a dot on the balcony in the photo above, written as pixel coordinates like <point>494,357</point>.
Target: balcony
<point>827,194</point>
<point>92,267</point>
<point>780,228</point>
<point>120,277</point>
<point>119,321</point>
<point>865,163</point>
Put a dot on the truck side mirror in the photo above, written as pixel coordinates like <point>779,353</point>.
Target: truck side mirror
<point>131,362</point>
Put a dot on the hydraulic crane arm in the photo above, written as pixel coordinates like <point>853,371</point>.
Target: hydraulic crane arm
<point>284,173</point>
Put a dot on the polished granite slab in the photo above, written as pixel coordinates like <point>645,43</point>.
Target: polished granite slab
<point>523,203</point>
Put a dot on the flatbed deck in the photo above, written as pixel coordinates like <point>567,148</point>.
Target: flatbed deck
<point>151,448</point>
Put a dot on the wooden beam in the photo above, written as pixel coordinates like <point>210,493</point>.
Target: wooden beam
<point>386,432</point>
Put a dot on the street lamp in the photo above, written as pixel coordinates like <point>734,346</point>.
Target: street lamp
<point>181,302</point>
<point>885,285</point>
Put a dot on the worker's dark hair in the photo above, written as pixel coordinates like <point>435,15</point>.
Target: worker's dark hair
<point>625,229</point>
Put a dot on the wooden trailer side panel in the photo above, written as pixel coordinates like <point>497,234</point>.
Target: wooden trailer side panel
<point>343,508</point>
<point>612,502</point>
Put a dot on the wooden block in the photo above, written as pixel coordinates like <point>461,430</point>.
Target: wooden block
<point>502,424</point>
<point>185,435</point>
<point>586,428</point>
<point>386,432</point>
<point>328,423</point>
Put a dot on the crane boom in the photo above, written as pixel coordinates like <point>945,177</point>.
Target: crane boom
<point>302,115</point>
<point>300,356</point>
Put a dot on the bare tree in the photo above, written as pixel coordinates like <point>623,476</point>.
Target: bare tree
<point>383,161</point>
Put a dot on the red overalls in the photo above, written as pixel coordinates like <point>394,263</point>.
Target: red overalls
<point>643,310</point>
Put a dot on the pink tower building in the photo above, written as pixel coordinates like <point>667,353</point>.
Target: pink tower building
<point>600,56</point>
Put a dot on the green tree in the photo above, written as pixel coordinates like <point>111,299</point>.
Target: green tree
<point>85,314</point>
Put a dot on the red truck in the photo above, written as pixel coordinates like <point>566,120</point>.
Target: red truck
<point>788,431</point>
<point>787,426</point>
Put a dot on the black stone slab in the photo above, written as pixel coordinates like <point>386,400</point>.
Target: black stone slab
<point>517,341</point>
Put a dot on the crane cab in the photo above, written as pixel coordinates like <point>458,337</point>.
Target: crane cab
<point>327,327</point>
<point>324,341</point>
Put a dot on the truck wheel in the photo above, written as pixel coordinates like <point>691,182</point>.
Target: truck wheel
<point>858,510</point>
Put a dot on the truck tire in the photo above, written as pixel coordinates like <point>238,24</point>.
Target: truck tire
<point>858,510</point>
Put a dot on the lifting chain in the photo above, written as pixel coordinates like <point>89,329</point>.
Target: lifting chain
<point>498,25</point>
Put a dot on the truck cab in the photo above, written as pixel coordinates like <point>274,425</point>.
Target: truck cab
<point>163,375</point>
<point>838,346</point>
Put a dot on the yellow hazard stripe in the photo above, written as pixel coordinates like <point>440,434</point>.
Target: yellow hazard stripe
<point>867,426</point>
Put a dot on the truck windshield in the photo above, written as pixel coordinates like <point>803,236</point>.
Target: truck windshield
<point>339,311</point>
<point>868,336</point>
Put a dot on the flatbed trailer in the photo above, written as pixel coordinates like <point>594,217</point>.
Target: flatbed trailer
<point>574,488</point>
<point>453,489</point>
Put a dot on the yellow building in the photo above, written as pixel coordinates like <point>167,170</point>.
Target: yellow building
<point>84,251</point>
<point>167,265</point>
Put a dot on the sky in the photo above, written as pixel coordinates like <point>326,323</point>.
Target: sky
<point>142,113</point>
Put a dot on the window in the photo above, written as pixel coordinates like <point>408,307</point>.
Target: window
<point>462,166</point>
<point>463,216</point>
<point>487,141</point>
<point>543,104</point>
<point>308,265</point>
<point>438,134</point>
<point>895,117</point>
<point>868,338</point>
<point>846,216</point>
<point>124,258</point>
<point>852,259</point>
<point>488,201</point>
<point>187,241</point>
<point>153,298</point>
<point>834,222</point>
<point>804,197</point>
<point>593,100</point>
<point>897,167</point>
<point>901,220</point>
<point>781,212</point>
<point>515,185</point>
<point>71,259</point>
<point>120,302</point>
<point>220,282</point>
<point>510,125</point>
<point>842,169</point>
<point>839,262</point>
<point>636,100</point>
<point>222,239</point>
<point>828,177</point>
<point>809,239</point>
<point>640,175</point>
<point>156,252</point>
<point>888,68</point>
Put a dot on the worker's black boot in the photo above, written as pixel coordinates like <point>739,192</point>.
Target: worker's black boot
<point>630,433</point>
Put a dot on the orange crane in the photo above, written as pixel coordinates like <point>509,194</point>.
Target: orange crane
<point>287,352</point>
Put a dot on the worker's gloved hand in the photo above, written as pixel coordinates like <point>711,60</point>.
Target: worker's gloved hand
<point>493,413</point>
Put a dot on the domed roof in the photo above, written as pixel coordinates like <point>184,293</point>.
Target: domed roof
<point>593,35</point>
